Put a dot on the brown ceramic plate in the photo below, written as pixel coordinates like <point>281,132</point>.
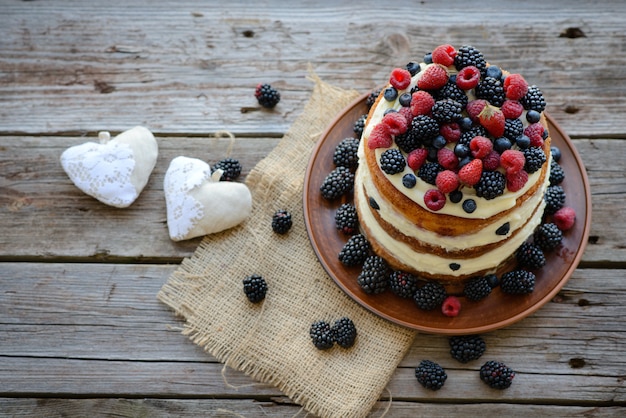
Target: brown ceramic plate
<point>498,309</point>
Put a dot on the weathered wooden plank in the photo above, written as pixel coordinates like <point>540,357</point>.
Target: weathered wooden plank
<point>67,68</point>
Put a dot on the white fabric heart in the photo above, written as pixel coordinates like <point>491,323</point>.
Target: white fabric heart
<point>198,203</point>
<point>114,171</point>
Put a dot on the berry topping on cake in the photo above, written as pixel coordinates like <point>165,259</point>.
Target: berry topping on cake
<point>516,181</point>
<point>380,137</point>
<point>480,147</point>
<point>447,159</point>
<point>400,78</point>
<point>416,158</point>
<point>515,87</point>
<point>470,173</point>
<point>468,77</point>
<point>392,161</point>
<point>422,103</point>
<point>434,199</point>
<point>468,55</point>
<point>450,131</point>
<point>492,119</point>
<point>534,158</point>
<point>533,100</point>
<point>535,133</point>
<point>446,110</point>
<point>491,90</point>
<point>492,161</point>
<point>444,55</point>
<point>396,123</point>
<point>512,109</point>
<point>490,185</point>
<point>474,108</point>
<point>565,218</point>
<point>434,77</point>
<point>447,181</point>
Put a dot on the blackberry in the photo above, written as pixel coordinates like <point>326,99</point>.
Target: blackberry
<point>497,375</point>
<point>430,375</point>
<point>355,251</point>
<point>468,55</point>
<point>267,96</point>
<point>490,185</point>
<point>555,199</point>
<point>535,157</point>
<point>465,348</point>
<point>255,288</point>
<point>477,288</point>
<point>371,99</point>
<point>337,182</point>
<point>533,100</point>
<point>428,172</point>
<point>494,71</point>
<point>548,236</point>
<point>344,332</point>
<point>422,131</point>
<point>231,169</point>
<point>402,283</point>
<point>446,110</point>
<point>322,335</point>
<point>491,90</point>
<point>345,154</point>
<point>281,221</point>
<point>557,174</point>
<point>513,128</point>
<point>430,296</point>
<point>359,125</point>
<point>392,161</point>
<point>517,282</point>
<point>530,255</point>
<point>467,136</point>
<point>346,219</point>
<point>374,277</point>
<point>451,91</point>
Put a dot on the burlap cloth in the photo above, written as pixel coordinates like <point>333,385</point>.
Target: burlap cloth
<point>270,341</point>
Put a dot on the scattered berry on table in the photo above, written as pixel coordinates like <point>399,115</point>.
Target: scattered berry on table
<point>548,236</point>
<point>255,288</point>
<point>345,154</point>
<point>556,153</point>
<point>430,375</point>
<point>496,374</point>
<point>355,251</point>
<point>231,169</point>
<point>451,306</point>
<point>266,95</point>
<point>557,174</point>
<point>346,219</point>
<point>344,332</point>
<point>359,125</point>
<point>477,288</point>
<point>403,283</point>
<point>281,221</point>
<point>555,199</point>
<point>337,183</point>
<point>371,99</point>
<point>530,255</point>
<point>564,218</point>
<point>465,348</point>
<point>430,296</point>
<point>322,335</point>
<point>374,277</point>
<point>392,161</point>
<point>517,282</point>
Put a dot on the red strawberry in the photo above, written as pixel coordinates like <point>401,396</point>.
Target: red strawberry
<point>447,181</point>
<point>451,131</point>
<point>492,119</point>
<point>444,55</point>
<point>434,199</point>
<point>447,159</point>
<point>565,218</point>
<point>492,161</point>
<point>470,173</point>
<point>515,181</point>
<point>434,77</point>
<point>512,161</point>
<point>416,158</point>
<point>512,109</point>
<point>421,103</point>
<point>400,78</point>
<point>515,87</point>
<point>474,108</point>
<point>396,123</point>
<point>451,306</point>
<point>468,77</point>
<point>480,146</point>
<point>380,137</point>
<point>535,132</point>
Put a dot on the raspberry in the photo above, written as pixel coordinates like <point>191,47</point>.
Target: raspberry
<point>468,77</point>
<point>444,55</point>
<point>434,199</point>
<point>380,137</point>
<point>267,96</point>
<point>492,161</point>
<point>433,77</point>
<point>447,181</point>
<point>447,159</point>
<point>451,306</point>
<point>395,122</point>
<point>407,114</point>
<point>512,109</point>
<point>564,218</point>
<point>515,87</point>
<point>450,131</point>
<point>512,161</point>
<point>516,181</point>
<point>535,133</point>
<point>492,119</point>
<point>416,158</point>
<point>474,108</point>
<point>421,103</point>
<point>470,173</point>
<point>480,146</point>
<point>281,221</point>
<point>255,288</point>
<point>400,78</point>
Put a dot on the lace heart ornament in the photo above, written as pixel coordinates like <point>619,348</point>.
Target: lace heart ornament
<point>114,171</point>
<point>198,203</point>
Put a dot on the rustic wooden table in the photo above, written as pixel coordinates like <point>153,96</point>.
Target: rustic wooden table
<point>81,330</point>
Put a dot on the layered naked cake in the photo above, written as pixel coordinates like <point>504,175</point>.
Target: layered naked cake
<point>454,161</point>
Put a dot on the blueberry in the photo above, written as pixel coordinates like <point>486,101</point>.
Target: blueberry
<point>502,144</point>
<point>405,99</point>
<point>493,71</point>
<point>428,58</point>
<point>522,141</point>
<point>469,205</point>
<point>391,94</point>
<point>409,181</point>
<point>439,142</point>
<point>389,111</point>
<point>464,161</point>
<point>452,79</point>
<point>413,68</point>
<point>432,154</point>
<point>465,123</point>
<point>456,196</point>
<point>461,150</point>
<point>532,116</point>
<point>556,153</point>
<point>493,281</point>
